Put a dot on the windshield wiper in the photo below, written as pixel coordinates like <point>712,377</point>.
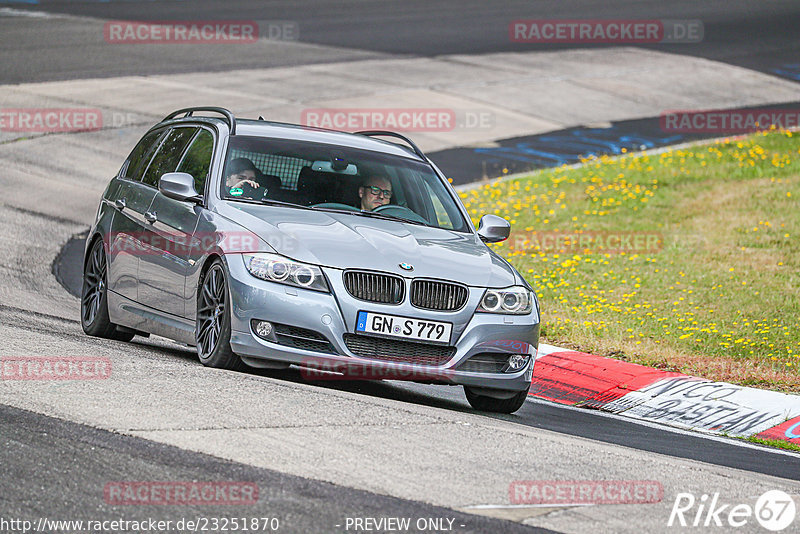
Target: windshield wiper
<point>367,213</point>
<point>335,210</point>
<point>268,201</point>
<point>273,202</point>
<point>384,216</point>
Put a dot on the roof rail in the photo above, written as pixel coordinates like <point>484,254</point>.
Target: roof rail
<point>372,133</point>
<point>187,112</point>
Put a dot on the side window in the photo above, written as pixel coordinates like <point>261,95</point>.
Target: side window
<point>168,155</point>
<point>140,156</point>
<point>442,217</point>
<point>198,159</point>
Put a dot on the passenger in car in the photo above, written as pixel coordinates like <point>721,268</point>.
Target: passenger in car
<point>241,172</point>
<point>374,192</point>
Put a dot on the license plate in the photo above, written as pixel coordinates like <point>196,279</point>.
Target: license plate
<point>380,324</point>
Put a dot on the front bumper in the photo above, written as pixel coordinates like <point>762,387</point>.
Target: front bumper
<point>334,314</point>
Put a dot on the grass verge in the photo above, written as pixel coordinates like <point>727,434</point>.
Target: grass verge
<point>687,260</point>
<point>777,443</point>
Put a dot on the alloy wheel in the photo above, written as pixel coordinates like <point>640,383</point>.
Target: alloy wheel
<point>211,310</point>
<point>95,281</point>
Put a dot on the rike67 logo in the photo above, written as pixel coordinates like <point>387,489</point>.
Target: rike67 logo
<point>774,510</point>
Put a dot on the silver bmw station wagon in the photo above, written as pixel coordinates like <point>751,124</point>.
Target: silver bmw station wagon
<point>267,245</point>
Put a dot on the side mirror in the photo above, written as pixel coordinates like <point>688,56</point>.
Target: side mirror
<point>493,229</point>
<point>179,186</point>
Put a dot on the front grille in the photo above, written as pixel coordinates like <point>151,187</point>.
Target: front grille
<point>302,338</point>
<point>374,287</point>
<point>485,362</point>
<point>376,348</point>
<point>439,296</point>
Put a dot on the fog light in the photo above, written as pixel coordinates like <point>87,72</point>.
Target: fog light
<point>262,328</point>
<point>516,362</point>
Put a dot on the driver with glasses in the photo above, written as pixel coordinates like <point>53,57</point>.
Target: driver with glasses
<point>376,191</point>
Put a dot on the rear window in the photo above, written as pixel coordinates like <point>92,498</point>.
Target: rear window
<point>168,155</point>
<point>140,156</point>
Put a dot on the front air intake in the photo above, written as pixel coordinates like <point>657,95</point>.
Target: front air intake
<point>374,287</point>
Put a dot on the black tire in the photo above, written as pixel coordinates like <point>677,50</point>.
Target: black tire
<point>94,298</point>
<point>491,404</point>
<point>213,323</point>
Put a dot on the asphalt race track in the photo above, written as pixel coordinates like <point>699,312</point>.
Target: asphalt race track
<point>755,35</point>
<point>303,505</point>
<point>319,452</point>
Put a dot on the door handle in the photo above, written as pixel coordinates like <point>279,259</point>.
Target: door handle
<point>150,216</point>
<point>120,204</point>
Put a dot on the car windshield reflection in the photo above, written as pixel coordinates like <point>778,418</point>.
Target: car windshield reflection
<point>338,179</point>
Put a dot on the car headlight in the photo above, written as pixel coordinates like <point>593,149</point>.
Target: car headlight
<point>515,300</point>
<point>274,268</point>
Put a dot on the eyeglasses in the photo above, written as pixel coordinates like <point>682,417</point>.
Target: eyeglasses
<point>387,193</point>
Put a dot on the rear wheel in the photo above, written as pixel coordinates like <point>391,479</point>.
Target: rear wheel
<point>485,403</point>
<point>94,298</point>
<point>213,326</point>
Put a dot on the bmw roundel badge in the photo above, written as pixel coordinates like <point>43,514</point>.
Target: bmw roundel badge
<point>407,266</point>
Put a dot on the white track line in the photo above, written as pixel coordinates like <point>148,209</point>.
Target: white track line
<point>11,12</point>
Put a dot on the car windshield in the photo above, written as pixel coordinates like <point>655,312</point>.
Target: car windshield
<point>330,177</point>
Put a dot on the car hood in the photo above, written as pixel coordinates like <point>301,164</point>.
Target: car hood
<point>351,241</point>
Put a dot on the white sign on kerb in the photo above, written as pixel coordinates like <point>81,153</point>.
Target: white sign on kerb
<point>718,407</point>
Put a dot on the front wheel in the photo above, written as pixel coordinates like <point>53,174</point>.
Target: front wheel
<point>484,403</point>
<point>94,298</point>
<point>213,325</point>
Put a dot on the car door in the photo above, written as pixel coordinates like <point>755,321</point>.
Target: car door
<point>171,223</point>
<point>130,199</point>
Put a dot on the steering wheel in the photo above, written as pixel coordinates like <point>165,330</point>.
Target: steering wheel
<point>246,191</point>
<point>400,211</point>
